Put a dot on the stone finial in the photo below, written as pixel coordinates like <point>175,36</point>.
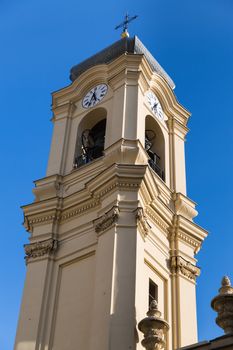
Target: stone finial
<point>153,327</point>
<point>226,286</point>
<point>223,305</point>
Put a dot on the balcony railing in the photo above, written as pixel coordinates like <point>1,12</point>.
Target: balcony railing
<point>156,169</point>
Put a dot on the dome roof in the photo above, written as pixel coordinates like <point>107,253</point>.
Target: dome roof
<point>126,45</point>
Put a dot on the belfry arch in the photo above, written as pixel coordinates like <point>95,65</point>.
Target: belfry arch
<point>90,140</point>
<point>155,146</point>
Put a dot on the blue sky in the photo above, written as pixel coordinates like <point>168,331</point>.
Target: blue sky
<point>41,41</point>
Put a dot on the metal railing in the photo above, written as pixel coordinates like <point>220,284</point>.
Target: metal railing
<point>156,169</point>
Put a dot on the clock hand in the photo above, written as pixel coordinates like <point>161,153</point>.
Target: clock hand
<point>92,97</point>
<point>155,105</point>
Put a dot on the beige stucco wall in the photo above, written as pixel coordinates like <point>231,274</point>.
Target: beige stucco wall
<point>73,305</point>
<point>115,222</point>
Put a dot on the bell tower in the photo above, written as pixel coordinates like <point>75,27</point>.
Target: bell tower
<point>111,227</point>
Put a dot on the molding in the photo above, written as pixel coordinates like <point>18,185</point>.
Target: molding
<point>193,242</point>
<point>34,220</point>
<point>157,219</point>
<point>177,115</point>
<point>125,151</point>
<point>184,206</point>
<point>107,220</point>
<point>41,248</point>
<point>126,186</point>
<point>186,268</point>
<point>74,211</point>
<point>188,231</point>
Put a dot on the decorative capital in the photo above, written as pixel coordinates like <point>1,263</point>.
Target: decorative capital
<point>154,328</point>
<point>38,249</point>
<point>106,220</point>
<point>179,264</point>
<point>223,305</point>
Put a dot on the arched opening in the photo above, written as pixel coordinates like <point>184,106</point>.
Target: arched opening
<point>90,138</point>
<point>155,146</point>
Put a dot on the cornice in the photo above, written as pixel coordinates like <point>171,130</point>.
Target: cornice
<point>78,210</point>
<point>43,218</point>
<point>58,209</point>
<point>177,115</point>
<point>40,249</point>
<point>48,187</point>
<point>150,188</point>
<point>174,220</point>
<point>63,111</point>
<point>188,232</point>
<point>184,206</point>
<point>171,102</point>
<point>43,212</point>
<point>74,91</point>
<point>177,128</point>
<point>103,73</point>
<point>125,151</point>
<point>153,186</point>
<point>122,176</point>
<point>157,220</point>
<point>81,175</point>
<point>123,68</point>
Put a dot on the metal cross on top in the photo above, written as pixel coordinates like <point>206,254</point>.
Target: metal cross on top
<point>125,25</point>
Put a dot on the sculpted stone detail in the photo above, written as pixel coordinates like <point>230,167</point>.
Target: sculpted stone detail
<point>38,249</point>
<point>154,328</point>
<point>223,305</point>
<point>179,264</point>
<point>106,220</point>
<point>142,221</point>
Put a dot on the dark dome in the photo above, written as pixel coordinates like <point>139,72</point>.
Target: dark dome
<point>126,45</point>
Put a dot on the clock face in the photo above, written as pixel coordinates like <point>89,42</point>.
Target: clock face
<point>94,96</point>
<point>155,105</point>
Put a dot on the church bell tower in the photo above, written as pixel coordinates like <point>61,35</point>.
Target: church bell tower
<point>111,227</point>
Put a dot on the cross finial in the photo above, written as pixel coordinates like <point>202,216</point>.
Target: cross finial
<point>125,25</point>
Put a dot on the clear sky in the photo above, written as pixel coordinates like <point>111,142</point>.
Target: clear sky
<point>41,41</point>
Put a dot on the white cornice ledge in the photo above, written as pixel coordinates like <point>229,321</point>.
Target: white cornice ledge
<point>125,152</point>
<point>47,187</point>
<point>184,206</point>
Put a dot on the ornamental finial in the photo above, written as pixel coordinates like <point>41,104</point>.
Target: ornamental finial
<point>223,305</point>
<point>154,328</point>
<point>226,287</point>
<point>125,25</point>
